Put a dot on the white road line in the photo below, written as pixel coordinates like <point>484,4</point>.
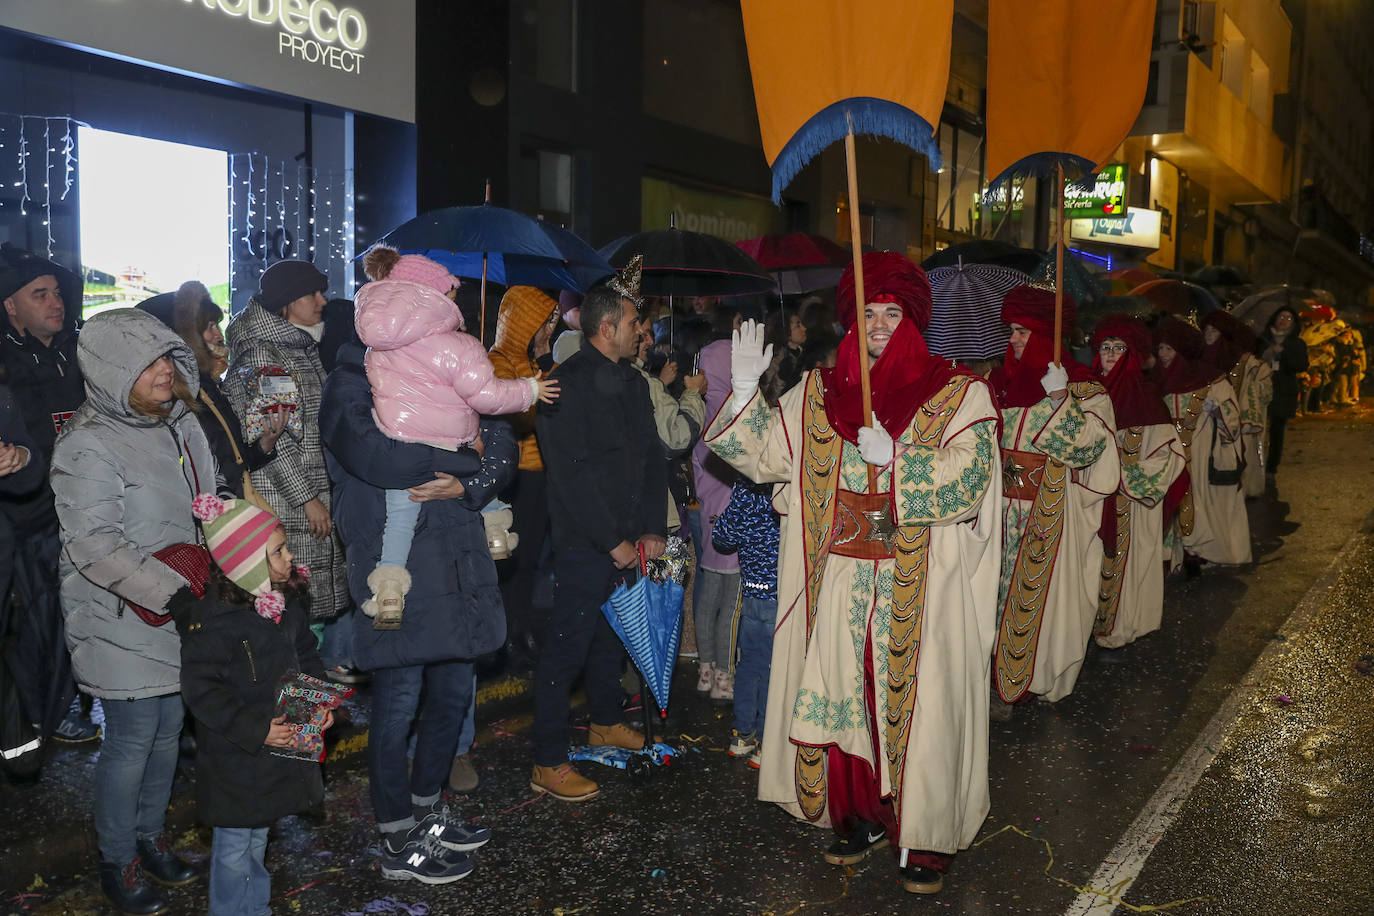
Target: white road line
<point>1125,862</point>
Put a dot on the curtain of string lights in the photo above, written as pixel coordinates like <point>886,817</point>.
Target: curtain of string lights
<point>280,209</point>
<point>32,148</point>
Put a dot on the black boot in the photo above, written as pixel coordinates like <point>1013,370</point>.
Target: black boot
<point>127,888</point>
<point>164,866</point>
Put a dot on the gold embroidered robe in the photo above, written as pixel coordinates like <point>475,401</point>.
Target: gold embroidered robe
<point>1221,527</point>
<point>1253,380</point>
<point>1131,592</point>
<point>1051,552</point>
<point>833,609</point>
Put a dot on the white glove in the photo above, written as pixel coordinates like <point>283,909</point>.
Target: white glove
<point>1211,406</point>
<point>875,445</point>
<point>748,360</point>
<point>1056,378</point>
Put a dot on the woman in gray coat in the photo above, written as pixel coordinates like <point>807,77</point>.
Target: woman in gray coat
<point>124,472</point>
<point>280,328</point>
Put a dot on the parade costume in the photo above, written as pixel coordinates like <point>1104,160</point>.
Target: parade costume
<point>856,735</point>
<point>1211,522</point>
<point>1253,381</point>
<point>1058,463</point>
<point>1130,594</point>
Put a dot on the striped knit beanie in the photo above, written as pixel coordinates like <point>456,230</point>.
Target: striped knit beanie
<point>236,531</point>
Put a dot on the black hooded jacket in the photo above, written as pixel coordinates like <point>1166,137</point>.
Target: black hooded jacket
<point>1287,361</point>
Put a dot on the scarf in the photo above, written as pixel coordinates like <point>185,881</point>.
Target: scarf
<point>1016,383</point>
<point>903,378</point>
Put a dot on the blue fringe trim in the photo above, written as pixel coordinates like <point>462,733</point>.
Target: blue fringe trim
<point>875,117</point>
<point>1042,165</point>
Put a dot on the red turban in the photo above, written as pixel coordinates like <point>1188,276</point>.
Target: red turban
<point>888,277</point>
<point>1131,330</point>
<point>1033,308</point>
<point>1180,335</point>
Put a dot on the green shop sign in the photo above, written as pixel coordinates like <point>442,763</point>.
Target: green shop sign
<point>1105,199</point>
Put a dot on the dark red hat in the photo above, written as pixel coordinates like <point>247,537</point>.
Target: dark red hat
<point>888,277</point>
<point>1180,335</point>
<point>1230,327</point>
<point>1124,327</point>
<point>1033,307</point>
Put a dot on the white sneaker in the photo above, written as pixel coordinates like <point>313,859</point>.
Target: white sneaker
<point>705,677</point>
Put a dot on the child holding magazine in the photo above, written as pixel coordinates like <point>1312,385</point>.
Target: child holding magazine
<point>239,643</point>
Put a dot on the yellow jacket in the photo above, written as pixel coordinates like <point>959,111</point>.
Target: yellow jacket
<point>524,310</point>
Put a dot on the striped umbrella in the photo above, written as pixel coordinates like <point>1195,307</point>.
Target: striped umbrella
<point>966,322</point>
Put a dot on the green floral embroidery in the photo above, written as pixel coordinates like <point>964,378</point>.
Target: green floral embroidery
<point>826,714</point>
<point>922,504</point>
<point>1074,456</point>
<point>728,448</point>
<point>918,466</point>
<point>1072,423</point>
<point>1143,485</point>
<point>758,418</point>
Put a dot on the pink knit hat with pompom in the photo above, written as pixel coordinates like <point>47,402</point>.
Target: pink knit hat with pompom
<point>416,268</point>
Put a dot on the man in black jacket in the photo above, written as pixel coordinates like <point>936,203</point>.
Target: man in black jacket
<point>38,355</point>
<point>607,477</point>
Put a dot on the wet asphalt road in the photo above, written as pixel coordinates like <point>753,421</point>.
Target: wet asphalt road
<point>1279,821</point>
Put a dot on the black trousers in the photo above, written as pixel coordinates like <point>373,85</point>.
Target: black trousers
<point>530,507</point>
<point>577,640</point>
<point>1277,426</point>
<point>43,669</point>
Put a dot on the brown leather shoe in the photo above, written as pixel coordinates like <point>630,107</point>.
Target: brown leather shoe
<point>564,783</point>
<point>617,735</point>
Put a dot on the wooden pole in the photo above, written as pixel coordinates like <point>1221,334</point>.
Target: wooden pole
<point>1059,263</point>
<point>482,295</point>
<point>861,325</point>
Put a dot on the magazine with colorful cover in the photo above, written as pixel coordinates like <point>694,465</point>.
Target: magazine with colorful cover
<point>305,701</point>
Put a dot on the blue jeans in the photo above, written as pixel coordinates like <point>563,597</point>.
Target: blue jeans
<point>466,736</point>
<point>402,515</point>
<point>133,777</point>
<point>239,882</point>
<point>395,699</point>
<point>757,618</point>
<point>336,640</point>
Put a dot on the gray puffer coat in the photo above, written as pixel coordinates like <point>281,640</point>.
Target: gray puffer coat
<point>257,338</point>
<point>123,484</point>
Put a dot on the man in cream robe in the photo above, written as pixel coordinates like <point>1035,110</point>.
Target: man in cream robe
<point>1060,463</point>
<point>877,700</point>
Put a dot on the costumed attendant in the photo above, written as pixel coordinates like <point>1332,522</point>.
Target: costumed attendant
<point>1211,523</point>
<point>1130,597</point>
<point>429,383</point>
<point>855,740</point>
<point>1227,344</point>
<point>237,644</point>
<point>1059,463</point>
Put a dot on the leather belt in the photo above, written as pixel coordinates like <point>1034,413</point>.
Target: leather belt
<point>1021,473</point>
<point>863,526</point>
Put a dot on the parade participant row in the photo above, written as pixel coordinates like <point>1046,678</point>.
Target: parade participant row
<point>974,531</point>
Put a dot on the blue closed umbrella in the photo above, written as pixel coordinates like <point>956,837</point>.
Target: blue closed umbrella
<point>647,616</point>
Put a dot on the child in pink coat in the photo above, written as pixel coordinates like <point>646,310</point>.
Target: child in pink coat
<point>430,382</point>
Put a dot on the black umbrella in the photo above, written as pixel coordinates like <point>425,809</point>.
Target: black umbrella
<point>985,251</point>
<point>682,263</point>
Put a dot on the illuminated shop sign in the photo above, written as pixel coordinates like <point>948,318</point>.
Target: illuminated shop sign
<point>354,54</point>
<point>313,31</point>
<point>1139,229</point>
<point>1105,198</point>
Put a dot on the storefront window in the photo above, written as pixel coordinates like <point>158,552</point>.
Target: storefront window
<point>960,179</point>
<point>546,184</point>
<point>544,41</point>
<point>696,68</point>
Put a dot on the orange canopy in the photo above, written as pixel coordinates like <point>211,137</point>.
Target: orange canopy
<point>1066,80</point>
<point>820,66</point>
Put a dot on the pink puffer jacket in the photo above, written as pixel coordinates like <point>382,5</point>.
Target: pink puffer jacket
<point>429,380</point>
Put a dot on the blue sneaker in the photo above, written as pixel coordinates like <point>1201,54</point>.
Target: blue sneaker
<point>450,830</point>
<point>76,730</point>
<point>419,857</point>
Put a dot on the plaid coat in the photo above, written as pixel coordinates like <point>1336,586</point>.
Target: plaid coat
<point>257,338</point>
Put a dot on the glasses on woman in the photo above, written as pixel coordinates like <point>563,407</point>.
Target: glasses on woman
<point>1109,348</point>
